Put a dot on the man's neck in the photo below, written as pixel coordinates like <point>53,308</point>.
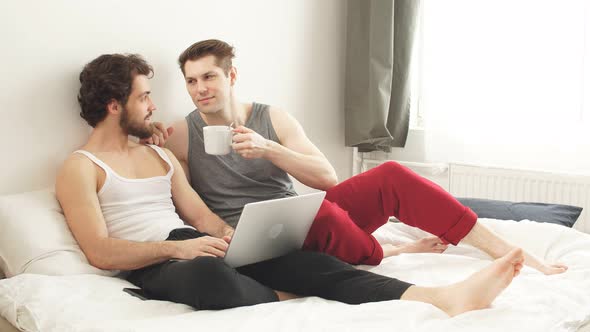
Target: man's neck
<point>106,138</point>
<point>234,112</point>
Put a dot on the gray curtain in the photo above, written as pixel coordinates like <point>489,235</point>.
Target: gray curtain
<point>379,42</point>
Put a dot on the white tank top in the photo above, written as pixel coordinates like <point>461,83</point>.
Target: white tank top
<point>138,209</point>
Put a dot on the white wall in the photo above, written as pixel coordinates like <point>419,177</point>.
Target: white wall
<point>289,54</point>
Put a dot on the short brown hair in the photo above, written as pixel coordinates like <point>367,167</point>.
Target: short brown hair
<point>223,52</point>
<point>108,77</point>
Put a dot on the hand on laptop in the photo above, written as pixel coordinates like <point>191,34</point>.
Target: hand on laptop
<point>228,234</point>
<point>203,246</point>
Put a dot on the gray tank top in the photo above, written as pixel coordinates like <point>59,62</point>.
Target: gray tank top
<point>226,183</point>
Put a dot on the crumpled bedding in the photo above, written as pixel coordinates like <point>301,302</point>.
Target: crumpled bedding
<point>533,302</point>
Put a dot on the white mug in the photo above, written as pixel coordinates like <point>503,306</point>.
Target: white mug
<point>217,139</point>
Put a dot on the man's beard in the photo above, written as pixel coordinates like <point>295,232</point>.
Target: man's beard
<point>134,129</point>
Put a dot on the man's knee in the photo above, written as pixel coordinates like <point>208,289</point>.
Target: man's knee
<point>326,228</point>
<point>330,218</point>
<point>210,270</point>
<point>394,175</point>
<point>206,274</point>
<point>211,283</point>
<point>391,167</point>
<point>316,261</point>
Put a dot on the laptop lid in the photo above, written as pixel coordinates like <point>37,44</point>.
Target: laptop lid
<point>272,228</point>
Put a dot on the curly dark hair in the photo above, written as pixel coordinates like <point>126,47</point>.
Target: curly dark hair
<point>105,78</point>
<point>223,52</point>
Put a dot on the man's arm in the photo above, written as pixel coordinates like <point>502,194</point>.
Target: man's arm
<point>295,154</point>
<point>76,189</point>
<point>178,143</point>
<point>191,207</point>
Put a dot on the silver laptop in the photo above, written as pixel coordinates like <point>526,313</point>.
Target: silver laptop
<point>272,228</point>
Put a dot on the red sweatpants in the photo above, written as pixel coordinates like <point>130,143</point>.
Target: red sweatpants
<point>358,206</point>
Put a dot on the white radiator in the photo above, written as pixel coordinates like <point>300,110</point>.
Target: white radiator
<point>522,186</point>
<point>504,184</point>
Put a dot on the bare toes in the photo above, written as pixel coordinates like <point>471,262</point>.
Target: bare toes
<point>554,269</point>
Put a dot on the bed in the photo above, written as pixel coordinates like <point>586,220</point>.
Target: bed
<point>70,296</point>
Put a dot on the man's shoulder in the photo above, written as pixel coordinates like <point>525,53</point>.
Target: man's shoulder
<point>77,164</point>
<point>177,143</point>
<point>277,111</point>
<point>76,171</point>
<point>278,114</point>
<point>77,160</point>
<point>179,126</point>
<point>281,119</point>
<point>274,109</point>
<point>151,150</point>
<point>168,152</point>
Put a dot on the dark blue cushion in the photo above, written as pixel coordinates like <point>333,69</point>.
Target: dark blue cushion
<point>560,214</point>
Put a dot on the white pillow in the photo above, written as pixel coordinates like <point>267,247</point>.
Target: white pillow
<point>35,238</point>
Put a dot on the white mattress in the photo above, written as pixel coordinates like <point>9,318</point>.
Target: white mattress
<point>533,302</point>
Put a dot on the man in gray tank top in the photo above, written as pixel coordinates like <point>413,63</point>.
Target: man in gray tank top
<point>228,182</point>
<point>269,144</point>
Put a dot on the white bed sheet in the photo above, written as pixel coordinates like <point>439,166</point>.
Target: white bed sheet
<point>533,302</point>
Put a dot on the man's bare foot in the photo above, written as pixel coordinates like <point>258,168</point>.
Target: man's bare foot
<point>553,268</point>
<point>284,296</point>
<point>390,250</point>
<point>476,292</point>
<point>431,244</point>
<point>485,239</point>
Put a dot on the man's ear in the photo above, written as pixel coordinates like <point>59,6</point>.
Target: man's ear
<point>114,107</point>
<point>233,75</point>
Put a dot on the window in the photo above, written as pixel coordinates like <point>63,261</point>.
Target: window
<point>504,81</point>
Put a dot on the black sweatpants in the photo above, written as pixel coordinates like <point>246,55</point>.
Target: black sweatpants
<point>208,283</point>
